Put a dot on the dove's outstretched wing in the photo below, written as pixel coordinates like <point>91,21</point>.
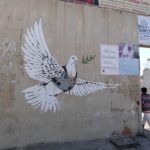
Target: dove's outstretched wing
<point>40,64</point>
<point>83,87</point>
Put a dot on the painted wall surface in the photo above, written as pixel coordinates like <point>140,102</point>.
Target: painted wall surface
<point>69,29</point>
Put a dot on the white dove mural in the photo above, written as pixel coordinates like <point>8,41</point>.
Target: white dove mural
<point>54,79</point>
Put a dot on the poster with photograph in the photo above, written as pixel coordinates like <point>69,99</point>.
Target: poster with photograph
<point>128,59</point>
<point>121,59</point>
<point>109,60</point>
<point>144,30</point>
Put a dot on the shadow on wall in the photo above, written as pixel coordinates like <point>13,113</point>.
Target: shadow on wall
<point>92,2</point>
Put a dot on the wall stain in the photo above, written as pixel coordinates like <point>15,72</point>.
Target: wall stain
<point>129,88</point>
<point>8,123</point>
<point>127,131</point>
<point>116,109</point>
<point>7,90</point>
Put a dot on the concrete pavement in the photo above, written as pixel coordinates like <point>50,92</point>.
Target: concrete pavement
<point>142,142</point>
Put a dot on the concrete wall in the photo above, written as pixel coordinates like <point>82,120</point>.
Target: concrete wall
<point>69,29</point>
<point>146,79</point>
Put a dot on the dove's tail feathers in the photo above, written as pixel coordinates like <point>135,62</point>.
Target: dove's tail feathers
<point>39,97</point>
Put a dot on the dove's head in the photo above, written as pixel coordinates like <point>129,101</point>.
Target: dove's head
<point>71,66</point>
<point>73,60</point>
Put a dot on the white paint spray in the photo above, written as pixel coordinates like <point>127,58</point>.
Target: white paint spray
<point>55,79</point>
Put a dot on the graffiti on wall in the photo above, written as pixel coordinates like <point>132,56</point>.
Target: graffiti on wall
<point>40,65</point>
<point>7,48</point>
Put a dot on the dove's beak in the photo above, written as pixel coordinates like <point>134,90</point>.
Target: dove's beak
<point>76,61</point>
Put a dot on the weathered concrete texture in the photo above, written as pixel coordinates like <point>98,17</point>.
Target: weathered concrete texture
<point>69,29</point>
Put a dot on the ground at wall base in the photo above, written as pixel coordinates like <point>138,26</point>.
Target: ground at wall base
<point>142,143</point>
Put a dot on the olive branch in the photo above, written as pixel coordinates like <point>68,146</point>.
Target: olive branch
<point>87,59</point>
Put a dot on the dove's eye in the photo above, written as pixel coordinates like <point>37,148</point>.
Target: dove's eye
<point>72,57</point>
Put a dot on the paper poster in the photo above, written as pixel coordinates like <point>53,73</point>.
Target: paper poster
<point>128,59</point>
<point>121,59</point>
<point>109,60</point>
<point>129,66</point>
<point>144,30</point>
